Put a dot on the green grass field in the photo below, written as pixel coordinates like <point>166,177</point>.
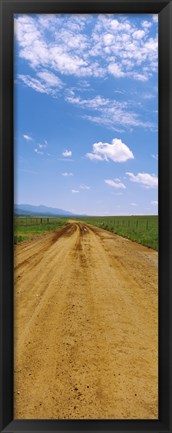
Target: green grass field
<point>26,227</point>
<point>142,229</point>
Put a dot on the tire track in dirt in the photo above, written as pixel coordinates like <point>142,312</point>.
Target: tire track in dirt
<point>33,285</point>
<point>86,332</point>
<point>40,245</point>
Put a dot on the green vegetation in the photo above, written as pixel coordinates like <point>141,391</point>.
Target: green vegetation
<point>26,227</point>
<point>142,229</point>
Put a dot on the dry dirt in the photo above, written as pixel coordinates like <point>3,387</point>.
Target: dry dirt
<point>86,326</point>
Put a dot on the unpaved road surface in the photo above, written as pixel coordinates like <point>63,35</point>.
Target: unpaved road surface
<point>86,326</point>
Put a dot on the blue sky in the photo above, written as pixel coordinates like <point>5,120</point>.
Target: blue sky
<point>86,112</point>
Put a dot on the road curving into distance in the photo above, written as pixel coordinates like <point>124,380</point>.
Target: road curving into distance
<point>86,326</point>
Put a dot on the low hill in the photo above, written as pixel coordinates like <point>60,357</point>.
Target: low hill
<point>41,210</point>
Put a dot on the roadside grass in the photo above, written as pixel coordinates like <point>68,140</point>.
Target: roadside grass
<point>141,229</point>
<point>19,238</point>
<point>25,228</point>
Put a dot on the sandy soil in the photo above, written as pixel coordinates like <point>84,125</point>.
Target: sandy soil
<point>86,326</point>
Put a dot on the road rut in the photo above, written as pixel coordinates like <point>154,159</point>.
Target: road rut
<point>86,326</point>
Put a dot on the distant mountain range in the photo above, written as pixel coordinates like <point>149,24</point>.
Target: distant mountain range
<point>41,210</point>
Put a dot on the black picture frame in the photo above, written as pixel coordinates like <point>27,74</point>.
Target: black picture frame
<point>164,9</point>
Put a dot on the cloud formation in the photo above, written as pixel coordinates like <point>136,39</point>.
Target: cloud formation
<point>43,82</point>
<point>43,146</point>
<point>40,147</point>
<point>39,152</point>
<point>108,112</point>
<point>83,46</point>
<point>117,151</point>
<point>83,186</point>
<point>145,179</point>
<point>115,184</point>
<point>27,137</point>
<point>67,153</point>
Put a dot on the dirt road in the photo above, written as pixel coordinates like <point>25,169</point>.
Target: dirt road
<point>86,326</point>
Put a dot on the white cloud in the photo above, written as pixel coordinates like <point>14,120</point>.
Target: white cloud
<point>67,174</point>
<point>110,113</point>
<point>33,83</point>
<point>155,18</point>
<point>116,185</point>
<point>121,92</point>
<point>94,156</point>
<point>146,24</point>
<point>26,32</point>
<point>83,186</point>
<point>69,47</point>
<point>155,156</point>
<point>38,152</point>
<point>93,103</point>
<point>108,38</point>
<point>44,82</point>
<point>48,20</point>
<point>140,77</point>
<point>146,179</point>
<point>67,153</point>
<point>42,146</point>
<point>126,43</point>
<point>27,137</point>
<point>115,70</point>
<point>133,204</point>
<point>75,191</point>
<point>154,202</point>
<point>49,78</point>
<point>139,34</point>
<point>83,85</point>
<point>116,152</point>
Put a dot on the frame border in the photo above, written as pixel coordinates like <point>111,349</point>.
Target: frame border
<point>7,10</point>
